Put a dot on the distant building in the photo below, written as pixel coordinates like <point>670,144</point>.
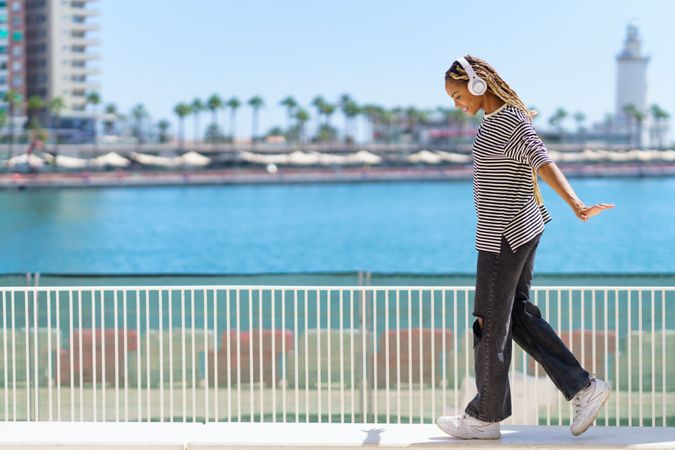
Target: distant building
<point>631,86</point>
<point>60,53</point>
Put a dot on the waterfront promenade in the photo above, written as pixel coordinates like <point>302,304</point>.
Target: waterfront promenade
<point>298,175</point>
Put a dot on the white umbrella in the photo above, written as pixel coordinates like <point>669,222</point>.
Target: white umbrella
<point>32,161</point>
<point>592,155</point>
<point>264,159</point>
<point>298,157</point>
<point>327,159</point>
<point>194,159</point>
<point>668,155</point>
<point>151,160</point>
<point>111,159</point>
<point>571,156</point>
<point>454,157</point>
<point>620,156</point>
<point>424,156</point>
<point>67,162</point>
<point>364,157</point>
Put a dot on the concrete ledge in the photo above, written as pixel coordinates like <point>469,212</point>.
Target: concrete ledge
<point>21,435</point>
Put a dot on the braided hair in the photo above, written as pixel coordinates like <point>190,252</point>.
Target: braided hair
<point>499,88</point>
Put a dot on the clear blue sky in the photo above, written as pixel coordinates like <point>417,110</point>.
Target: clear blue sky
<point>554,54</point>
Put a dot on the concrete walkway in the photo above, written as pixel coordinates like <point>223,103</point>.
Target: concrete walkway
<point>46,435</point>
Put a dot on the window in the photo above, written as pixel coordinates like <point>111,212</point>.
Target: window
<point>3,65</point>
<point>16,66</point>
<point>16,6</point>
<point>17,50</point>
<point>3,18</point>
<point>3,50</point>
<point>3,33</point>
<point>17,36</point>
<point>16,82</point>
<point>16,22</point>
<point>3,79</point>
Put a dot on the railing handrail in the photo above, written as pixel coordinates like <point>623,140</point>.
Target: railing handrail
<point>300,288</point>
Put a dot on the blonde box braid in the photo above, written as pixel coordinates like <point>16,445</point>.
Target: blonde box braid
<point>502,90</point>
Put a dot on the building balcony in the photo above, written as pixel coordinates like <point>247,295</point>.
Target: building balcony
<point>85,27</point>
<point>84,41</point>
<point>84,11</point>
<point>84,56</point>
<point>85,86</point>
<point>85,71</point>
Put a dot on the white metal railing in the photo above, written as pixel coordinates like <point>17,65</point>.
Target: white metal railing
<point>321,354</point>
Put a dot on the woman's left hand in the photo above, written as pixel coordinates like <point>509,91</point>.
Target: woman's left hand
<point>584,213</point>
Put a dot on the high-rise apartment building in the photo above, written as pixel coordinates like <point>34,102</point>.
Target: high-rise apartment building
<point>60,43</point>
<point>12,51</point>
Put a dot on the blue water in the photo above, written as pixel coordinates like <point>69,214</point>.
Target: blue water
<point>416,227</point>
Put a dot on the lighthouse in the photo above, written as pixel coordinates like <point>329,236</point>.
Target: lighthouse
<point>631,93</point>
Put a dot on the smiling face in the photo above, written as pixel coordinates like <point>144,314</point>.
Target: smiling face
<point>464,100</point>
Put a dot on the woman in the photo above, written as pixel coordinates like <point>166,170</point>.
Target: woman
<point>508,155</point>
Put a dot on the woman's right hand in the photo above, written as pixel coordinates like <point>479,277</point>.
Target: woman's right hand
<point>584,213</point>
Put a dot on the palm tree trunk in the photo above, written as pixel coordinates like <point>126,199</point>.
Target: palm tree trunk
<point>233,124</point>
<point>254,131</point>
<point>11,131</point>
<point>181,134</point>
<point>57,119</point>
<point>196,130</point>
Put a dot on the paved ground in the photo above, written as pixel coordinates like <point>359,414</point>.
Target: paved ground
<point>278,435</point>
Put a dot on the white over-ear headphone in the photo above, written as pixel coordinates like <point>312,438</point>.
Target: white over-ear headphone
<point>476,85</point>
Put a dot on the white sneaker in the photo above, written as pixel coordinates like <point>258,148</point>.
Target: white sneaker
<point>467,427</point>
<point>587,404</point>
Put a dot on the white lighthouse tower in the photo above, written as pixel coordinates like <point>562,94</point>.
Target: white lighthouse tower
<point>631,86</point>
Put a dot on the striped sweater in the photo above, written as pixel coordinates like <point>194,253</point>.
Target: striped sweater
<point>505,151</point>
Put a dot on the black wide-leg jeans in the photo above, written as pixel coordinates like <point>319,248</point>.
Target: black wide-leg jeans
<point>502,299</point>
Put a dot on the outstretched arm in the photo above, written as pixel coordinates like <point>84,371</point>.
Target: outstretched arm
<point>552,175</point>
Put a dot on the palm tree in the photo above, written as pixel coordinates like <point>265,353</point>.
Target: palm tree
<point>255,103</point>
<point>344,100</point>
<point>13,99</point>
<point>35,105</point>
<point>301,116</point>
<point>233,103</point>
<point>3,119</point>
<point>139,113</point>
<point>318,102</point>
<point>182,110</point>
<point>557,118</point>
<point>350,109</point>
<point>214,103</point>
<point>108,124</point>
<point>327,109</point>
<point>660,116</point>
<point>373,114</point>
<point>580,118</point>
<point>635,116</point>
<point>290,104</point>
<point>196,108</point>
<point>56,105</point>
<point>94,99</point>
<point>163,126</point>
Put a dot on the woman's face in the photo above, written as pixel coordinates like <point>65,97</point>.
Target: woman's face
<point>464,100</point>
